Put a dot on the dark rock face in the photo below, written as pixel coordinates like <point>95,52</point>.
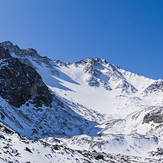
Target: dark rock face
<point>20,83</point>
<point>4,53</point>
<point>91,67</point>
<point>157,86</point>
<point>156,116</point>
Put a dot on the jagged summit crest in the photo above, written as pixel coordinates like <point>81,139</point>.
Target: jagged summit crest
<point>24,54</point>
<point>20,52</point>
<point>90,60</point>
<point>100,60</point>
<point>34,54</point>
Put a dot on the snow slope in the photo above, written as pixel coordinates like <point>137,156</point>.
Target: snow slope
<point>115,90</point>
<point>97,107</point>
<point>18,149</point>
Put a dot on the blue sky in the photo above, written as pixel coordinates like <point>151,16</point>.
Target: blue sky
<point>128,33</point>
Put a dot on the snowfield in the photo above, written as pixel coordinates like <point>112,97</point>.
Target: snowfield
<point>99,113</point>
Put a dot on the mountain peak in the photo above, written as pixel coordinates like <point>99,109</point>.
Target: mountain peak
<point>96,60</point>
<point>23,82</point>
<point>19,52</point>
<point>10,46</point>
<point>7,44</point>
<point>40,98</point>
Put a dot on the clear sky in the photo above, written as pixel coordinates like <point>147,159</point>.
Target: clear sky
<point>128,33</point>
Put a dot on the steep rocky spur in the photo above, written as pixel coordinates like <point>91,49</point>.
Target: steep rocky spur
<point>20,82</point>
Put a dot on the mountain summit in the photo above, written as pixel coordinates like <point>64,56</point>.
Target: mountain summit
<point>87,110</point>
<point>20,82</point>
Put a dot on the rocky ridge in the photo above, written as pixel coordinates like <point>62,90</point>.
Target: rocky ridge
<point>20,82</point>
<point>88,107</point>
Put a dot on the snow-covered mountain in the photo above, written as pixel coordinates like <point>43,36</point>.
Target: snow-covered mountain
<point>91,109</point>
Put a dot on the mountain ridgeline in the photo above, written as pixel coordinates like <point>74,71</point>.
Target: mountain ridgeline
<point>86,111</point>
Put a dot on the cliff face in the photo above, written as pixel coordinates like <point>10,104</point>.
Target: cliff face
<point>20,82</point>
<point>23,77</point>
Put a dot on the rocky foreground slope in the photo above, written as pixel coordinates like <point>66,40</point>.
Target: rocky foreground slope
<point>87,111</point>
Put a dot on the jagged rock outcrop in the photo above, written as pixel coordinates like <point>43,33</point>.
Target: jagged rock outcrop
<point>156,86</point>
<point>125,86</point>
<point>20,82</point>
<point>93,120</point>
<point>155,115</point>
<point>25,55</point>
